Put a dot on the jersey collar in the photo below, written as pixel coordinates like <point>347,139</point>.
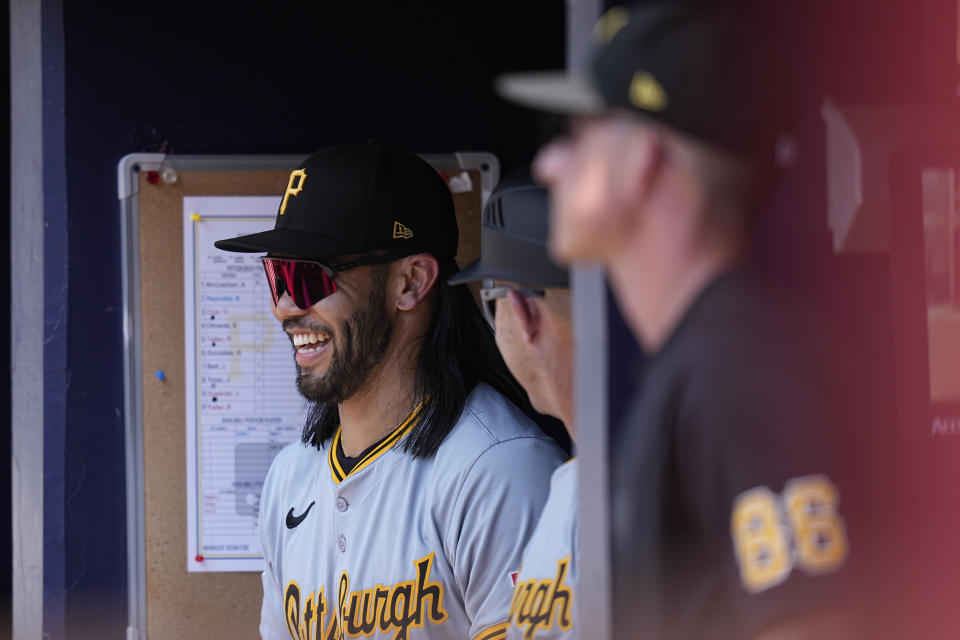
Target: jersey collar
<point>336,471</point>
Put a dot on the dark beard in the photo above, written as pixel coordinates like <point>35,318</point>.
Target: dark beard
<point>358,348</point>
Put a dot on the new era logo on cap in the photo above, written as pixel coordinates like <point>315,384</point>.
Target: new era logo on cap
<point>646,93</point>
<point>402,232</point>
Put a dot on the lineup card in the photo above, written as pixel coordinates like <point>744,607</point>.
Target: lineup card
<point>242,405</point>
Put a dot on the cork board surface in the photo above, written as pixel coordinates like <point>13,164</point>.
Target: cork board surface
<point>181,604</point>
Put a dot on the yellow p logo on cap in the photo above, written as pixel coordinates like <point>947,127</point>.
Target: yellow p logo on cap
<point>294,187</point>
<point>610,24</point>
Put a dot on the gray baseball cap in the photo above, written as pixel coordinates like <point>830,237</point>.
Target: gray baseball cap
<point>513,240</point>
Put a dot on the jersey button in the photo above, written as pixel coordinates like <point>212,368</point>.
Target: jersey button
<point>341,543</point>
<point>342,504</point>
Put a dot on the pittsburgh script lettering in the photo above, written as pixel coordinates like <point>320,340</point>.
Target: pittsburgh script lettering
<point>385,608</point>
<point>536,603</point>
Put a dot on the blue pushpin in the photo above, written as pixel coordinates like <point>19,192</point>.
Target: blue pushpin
<point>161,375</point>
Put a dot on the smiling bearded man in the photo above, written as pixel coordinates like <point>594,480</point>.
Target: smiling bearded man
<point>403,511</point>
<point>364,339</point>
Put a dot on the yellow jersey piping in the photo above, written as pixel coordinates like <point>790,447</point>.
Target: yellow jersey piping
<point>337,472</point>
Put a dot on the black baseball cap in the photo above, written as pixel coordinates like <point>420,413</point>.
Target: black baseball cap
<point>513,237</point>
<point>359,198</point>
<point>688,68</point>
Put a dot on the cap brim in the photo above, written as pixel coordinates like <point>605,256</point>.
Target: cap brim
<point>473,272</point>
<point>479,270</point>
<point>553,91</point>
<point>290,242</point>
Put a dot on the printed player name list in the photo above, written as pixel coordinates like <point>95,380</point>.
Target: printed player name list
<point>246,404</point>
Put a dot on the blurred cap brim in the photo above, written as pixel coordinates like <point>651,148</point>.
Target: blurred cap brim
<point>552,91</point>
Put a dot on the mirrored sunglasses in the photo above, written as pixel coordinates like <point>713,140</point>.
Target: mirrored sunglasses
<point>307,282</point>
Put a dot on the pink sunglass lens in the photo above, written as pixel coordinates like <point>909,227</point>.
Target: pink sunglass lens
<point>307,283</point>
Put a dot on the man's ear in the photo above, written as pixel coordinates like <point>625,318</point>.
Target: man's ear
<point>641,162</point>
<point>418,275</point>
<point>527,312</point>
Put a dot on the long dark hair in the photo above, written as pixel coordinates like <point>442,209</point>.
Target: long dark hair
<point>458,352</point>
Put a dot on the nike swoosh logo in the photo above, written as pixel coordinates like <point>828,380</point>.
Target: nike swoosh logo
<point>293,521</point>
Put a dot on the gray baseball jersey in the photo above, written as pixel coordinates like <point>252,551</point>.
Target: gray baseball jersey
<point>543,604</point>
<point>403,547</point>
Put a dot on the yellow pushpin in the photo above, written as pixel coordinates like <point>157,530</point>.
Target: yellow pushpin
<point>196,217</point>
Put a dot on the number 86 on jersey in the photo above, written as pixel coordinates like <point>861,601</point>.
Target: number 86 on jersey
<point>803,528</point>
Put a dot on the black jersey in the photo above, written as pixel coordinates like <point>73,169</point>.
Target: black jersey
<point>728,507</point>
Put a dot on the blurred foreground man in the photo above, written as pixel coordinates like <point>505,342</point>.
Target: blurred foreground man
<point>730,517</point>
<point>526,298</point>
<point>404,509</point>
